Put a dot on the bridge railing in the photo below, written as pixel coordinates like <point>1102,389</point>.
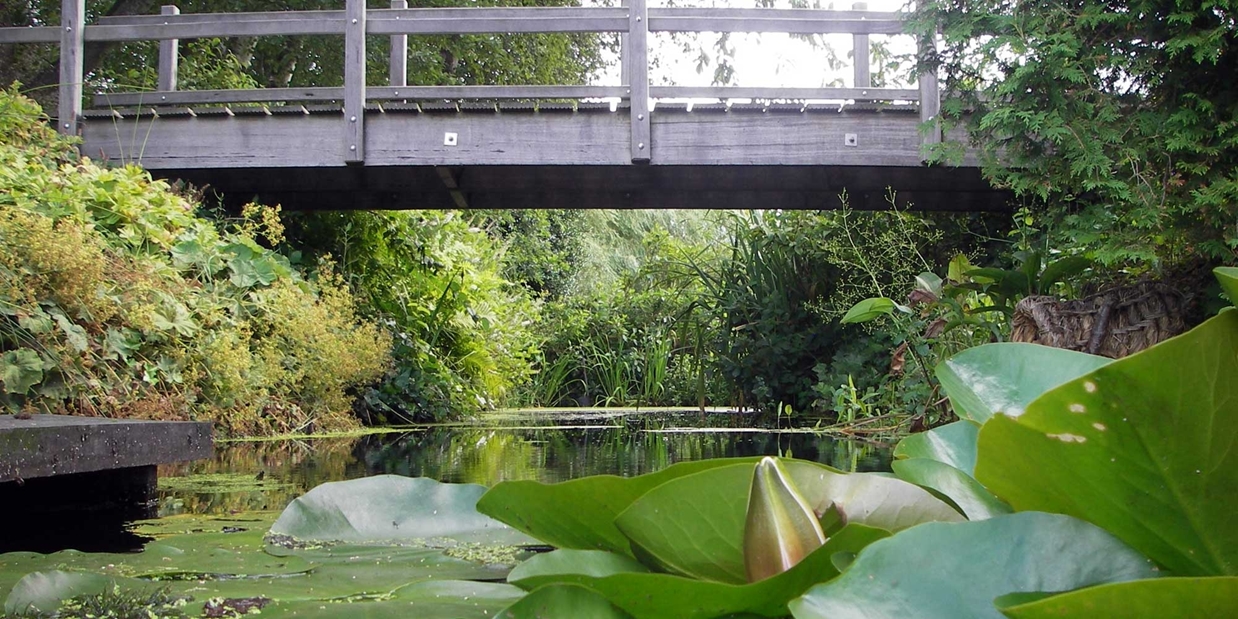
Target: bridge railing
<point>633,22</point>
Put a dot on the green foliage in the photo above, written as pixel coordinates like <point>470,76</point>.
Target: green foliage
<point>463,334</point>
<point>1114,120</point>
<point>116,299</point>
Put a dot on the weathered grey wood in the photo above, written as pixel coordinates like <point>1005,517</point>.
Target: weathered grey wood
<point>214,97</point>
<point>743,92</point>
<point>72,48</point>
<point>217,141</point>
<point>220,25</point>
<point>496,20</point>
<point>638,80</point>
<point>754,138</point>
<point>930,99</point>
<point>378,93</point>
<point>863,77</point>
<point>496,92</point>
<point>45,34</point>
<point>798,21</point>
<point>397,70</point>
<point>623,50</point>
<point>354,81</point>
<point>48,445</point>
<point>169,56</point>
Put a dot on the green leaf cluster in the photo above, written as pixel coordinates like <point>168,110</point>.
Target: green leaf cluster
<point>117,299</point>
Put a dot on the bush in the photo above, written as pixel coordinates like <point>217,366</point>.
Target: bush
<point>117,300</point>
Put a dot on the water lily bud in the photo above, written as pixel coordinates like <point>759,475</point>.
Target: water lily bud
<point>781,528</point>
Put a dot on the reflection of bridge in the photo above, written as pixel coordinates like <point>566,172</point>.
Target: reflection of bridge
<point>401,146</point>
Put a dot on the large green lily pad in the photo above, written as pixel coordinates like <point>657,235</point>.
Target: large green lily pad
<point>973,499</point>
<point>1162,598</point>
<point>955,570</point>
<point>581,513</point>
<point>953,444</point>
<point>391,507</point>
<point>1144,447</point>
<point>659,596</point>
<point>563,600</point>
<point>43,592</point>
<point>447,599</point>
<point>1004,378</point>
<point>694,525</point>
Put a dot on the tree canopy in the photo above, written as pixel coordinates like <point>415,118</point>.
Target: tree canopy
<point>1118,118</point>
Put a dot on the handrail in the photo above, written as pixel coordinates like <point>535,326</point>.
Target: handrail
<point>356,22</point>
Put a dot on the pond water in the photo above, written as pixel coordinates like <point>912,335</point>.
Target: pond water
<point>547,446</point>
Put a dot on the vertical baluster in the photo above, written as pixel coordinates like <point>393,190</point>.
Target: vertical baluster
<point>169,56</point>
<point>399,52</point>
<point>638,79</point>
<point>930,97</point>
<point>860,53</point>
<point>623,51</point>
<point>354,81</point>
<point>72,47</point>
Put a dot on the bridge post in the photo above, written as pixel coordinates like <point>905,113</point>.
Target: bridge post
<point>860,53</point>
<point>930,96</point>
<point>72,48</point>
<point>354,81</point>
<point>398,68</point>
<point>169,55</point>
<point>638,79</point>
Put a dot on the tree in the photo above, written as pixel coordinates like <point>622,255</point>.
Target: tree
<point>1117,120</point>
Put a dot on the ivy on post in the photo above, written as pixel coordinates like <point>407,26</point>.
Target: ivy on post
<point>354,82</point>
<point>169,56</point>
<point>72,47</point>
<point>638,79</point>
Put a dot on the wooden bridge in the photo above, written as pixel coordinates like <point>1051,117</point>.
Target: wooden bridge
<point>415,146</point>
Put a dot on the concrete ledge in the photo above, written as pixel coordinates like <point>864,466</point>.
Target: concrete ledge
<point>47,445</point>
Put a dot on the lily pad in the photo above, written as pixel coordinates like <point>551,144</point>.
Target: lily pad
<point>1162,598</point>
<point>973,499</point>
<point>955,570</point>
<point>581,513</point>
<point>447,599</point>
<point>43,592</point>
<point>1004,378</point>
<point>953,444</point>
<point>549,568</point>
<point>694,525</point>
<point>391,507</point>
<point>563,601</point>
<point>650,596</point>
<point>1143,447</point>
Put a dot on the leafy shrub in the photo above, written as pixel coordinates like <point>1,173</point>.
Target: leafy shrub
<point>117,300</point>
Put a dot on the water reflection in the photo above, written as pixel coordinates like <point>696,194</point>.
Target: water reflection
<point>544,448</point>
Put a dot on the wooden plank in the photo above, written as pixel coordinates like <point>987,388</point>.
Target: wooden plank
<point>218,97</point>
<point>772,94</point>
<point>863,77</point>
<point>354,81</point>
<point>798,21</point>
<point>397,68</point>
<point>72,50</point>
<point>208,25</point>
<point>206,142</point>
<point>638,85</point>
<point>497,92</point>
<point>378,93</point>
<point>754,138</point>
<point>44,34</point>
<point>496,20</point>
<point>169,56</point>
<point>521,139</point>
